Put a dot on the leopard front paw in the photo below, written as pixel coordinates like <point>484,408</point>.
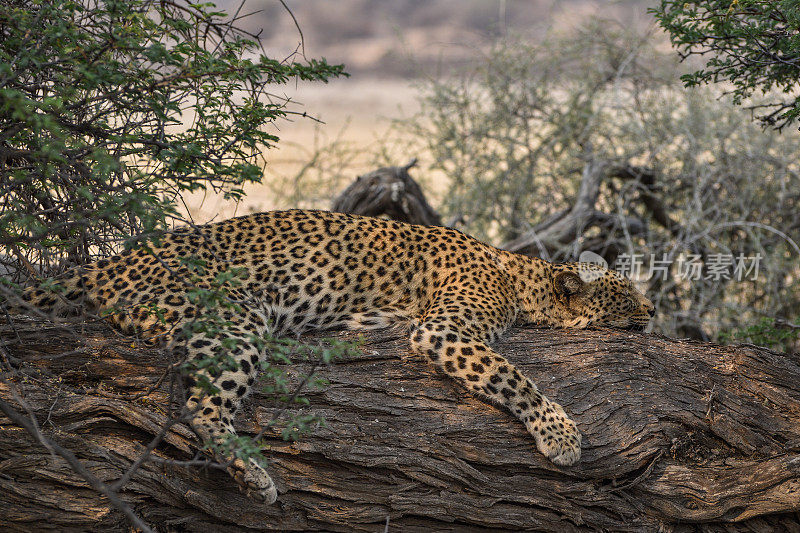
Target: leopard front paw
<point>253,481</point>
<point>557,436</point>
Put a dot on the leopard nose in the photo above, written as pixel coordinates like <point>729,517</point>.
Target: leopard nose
<point>652,312</point>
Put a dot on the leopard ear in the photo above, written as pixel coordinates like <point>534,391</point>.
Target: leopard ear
<point>568,283</point>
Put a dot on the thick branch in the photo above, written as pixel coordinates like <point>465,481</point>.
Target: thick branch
<point>674,432</point>
<point>569,226</point>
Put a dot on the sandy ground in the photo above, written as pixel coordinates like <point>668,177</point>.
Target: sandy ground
<point>355,113</point>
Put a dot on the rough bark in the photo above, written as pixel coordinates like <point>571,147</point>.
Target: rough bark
<point>389,191</point>
<point>677,435</point>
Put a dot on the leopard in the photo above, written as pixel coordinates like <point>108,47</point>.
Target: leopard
<point>304,270</point>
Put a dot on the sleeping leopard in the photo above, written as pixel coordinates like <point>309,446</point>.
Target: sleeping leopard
<point>304,270</point>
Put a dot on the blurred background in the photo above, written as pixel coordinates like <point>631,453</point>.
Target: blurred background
<point>393,52</point>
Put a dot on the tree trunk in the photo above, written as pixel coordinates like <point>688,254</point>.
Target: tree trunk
<point>677,435</point>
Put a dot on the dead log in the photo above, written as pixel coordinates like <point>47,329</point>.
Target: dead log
<point>389,191</point>
<point>678,436</point>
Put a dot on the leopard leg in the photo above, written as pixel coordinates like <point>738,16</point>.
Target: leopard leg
<point>489,375</point>
<point>213,413</point>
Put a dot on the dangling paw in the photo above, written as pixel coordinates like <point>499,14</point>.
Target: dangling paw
<point>253,481</point>
<point>557,436</point>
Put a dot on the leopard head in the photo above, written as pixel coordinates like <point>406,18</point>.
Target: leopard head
<point>588,295</point>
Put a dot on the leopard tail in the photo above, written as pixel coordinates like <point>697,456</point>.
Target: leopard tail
<point>58,296</point>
